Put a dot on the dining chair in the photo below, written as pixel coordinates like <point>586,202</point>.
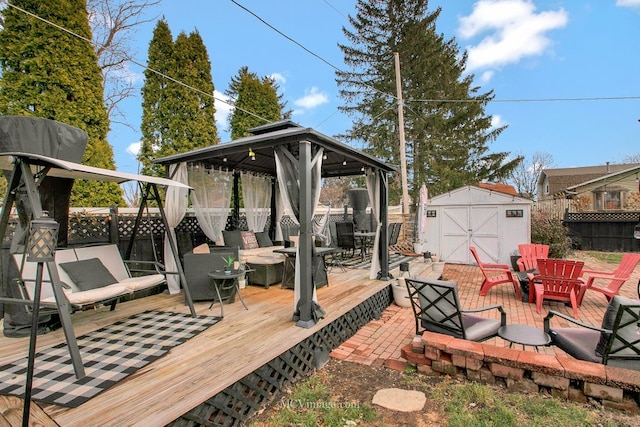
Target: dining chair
<point>558,280</point>
<point>495,274</point>
<point>615,278</point>
<point>436,308</point>
<point>346,241</point>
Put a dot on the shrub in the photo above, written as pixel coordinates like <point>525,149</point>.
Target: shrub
<point>549,230</point>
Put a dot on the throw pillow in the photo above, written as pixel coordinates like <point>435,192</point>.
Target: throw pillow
<point>88,273</point>
<point>249,240</point>
<point>264,241</point>
<point>202,249</point>
<point>232,238</point>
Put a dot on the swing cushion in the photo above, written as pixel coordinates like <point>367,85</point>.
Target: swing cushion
<point>89,274</point>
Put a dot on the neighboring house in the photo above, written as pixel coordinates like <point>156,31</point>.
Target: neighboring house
<point>605,187</point>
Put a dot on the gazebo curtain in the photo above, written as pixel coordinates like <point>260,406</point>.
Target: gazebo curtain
<point>280,208</point>
<point>288,174</point>
<point>373,190</point>
<point>175,208</point>
<point>256,194</point>
<point>211,198</point>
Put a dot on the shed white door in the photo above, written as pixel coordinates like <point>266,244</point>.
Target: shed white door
<point>464,226</point>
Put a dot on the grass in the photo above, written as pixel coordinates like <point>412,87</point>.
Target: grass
<point>461,404</point>
<point>475,405</point>
<point>611,257</point>
<point>310,405</point>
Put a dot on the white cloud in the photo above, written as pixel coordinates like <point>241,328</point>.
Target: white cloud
<point>486,76</point>
<point>278,78</point>
<point>628,3</point>
<point>512,31</point>
<point>497,122</point>
<point>312,98</point>
<point>223,109</point>
<point>134,148</point>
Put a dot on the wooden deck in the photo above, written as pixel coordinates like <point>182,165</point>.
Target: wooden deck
<point>206,364</point>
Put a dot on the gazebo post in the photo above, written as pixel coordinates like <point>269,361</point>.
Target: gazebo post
<point>384,274</point>
<point>305,303</point>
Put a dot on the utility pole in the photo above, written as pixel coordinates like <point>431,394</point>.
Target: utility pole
<point>403,151</point>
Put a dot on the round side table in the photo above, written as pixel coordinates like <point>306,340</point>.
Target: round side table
<point>222,281</point>
<point>524,335</point>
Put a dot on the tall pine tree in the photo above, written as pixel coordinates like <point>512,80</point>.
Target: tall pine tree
<point>446,142</point>
<point>178,112</point>
<point>257,102</point>
<point>49,73</point>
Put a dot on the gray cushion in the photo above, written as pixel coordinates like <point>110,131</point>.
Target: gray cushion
<point>478,328</point>
<point>88,273</point>
<point>264,241</point>
<point>609,321</point>
<point>577,342</point>
<point>233,238</point>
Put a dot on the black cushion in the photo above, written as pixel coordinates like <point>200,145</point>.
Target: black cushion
<point>264,241</point>
<point>88,273</point>
<point>233,238</point>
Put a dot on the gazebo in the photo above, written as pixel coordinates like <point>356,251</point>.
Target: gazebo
<point>296,158</point>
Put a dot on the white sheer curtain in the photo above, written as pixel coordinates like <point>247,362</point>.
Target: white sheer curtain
<point>373,189</point>
<point>279,214</point>
<point>256,194</point>
<point>211,198</point>
<point>175,207</point>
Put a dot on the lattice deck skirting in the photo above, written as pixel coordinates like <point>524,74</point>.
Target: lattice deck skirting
<point>240,401</point>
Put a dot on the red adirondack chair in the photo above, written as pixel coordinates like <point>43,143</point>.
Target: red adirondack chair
<point>616,277</point>
<point>529,255</point>
<point>559,280</point>
<point>495,274</point>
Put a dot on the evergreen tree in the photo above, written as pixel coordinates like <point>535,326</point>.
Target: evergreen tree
<point>256,99</point>
<point>49,73</point>
<point>446,142</point>
<point>178,112</point>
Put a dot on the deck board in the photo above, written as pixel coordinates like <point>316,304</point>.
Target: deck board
<point>198,369</point>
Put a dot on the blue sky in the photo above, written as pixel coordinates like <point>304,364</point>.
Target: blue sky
<point>526,51</point>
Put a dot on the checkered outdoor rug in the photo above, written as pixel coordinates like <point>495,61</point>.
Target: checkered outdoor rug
<point>108,354</point>
<point>394,260</point>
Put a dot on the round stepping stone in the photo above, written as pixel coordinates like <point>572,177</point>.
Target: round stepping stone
<point>400,400</point>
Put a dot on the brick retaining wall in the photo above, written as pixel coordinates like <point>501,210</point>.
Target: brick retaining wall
<point>526,371</point>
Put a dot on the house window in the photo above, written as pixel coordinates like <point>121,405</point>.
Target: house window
<point>608,200</point>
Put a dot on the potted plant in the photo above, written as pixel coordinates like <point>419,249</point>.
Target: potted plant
<point>228,264</point>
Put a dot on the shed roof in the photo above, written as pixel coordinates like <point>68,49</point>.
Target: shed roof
<point>341,159</point>
<point>470,194</point>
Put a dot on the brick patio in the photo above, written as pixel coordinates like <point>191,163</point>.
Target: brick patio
<point>379,343</point>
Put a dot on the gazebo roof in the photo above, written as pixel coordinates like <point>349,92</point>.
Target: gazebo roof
<point>341,159</point>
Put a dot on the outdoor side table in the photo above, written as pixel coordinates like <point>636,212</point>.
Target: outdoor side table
<point>222,281</point>
<point>524,335</point>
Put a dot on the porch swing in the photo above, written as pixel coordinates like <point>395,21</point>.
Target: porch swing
<point>38,157</point>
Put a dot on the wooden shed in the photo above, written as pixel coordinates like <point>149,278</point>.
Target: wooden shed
<point>492,221</point>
